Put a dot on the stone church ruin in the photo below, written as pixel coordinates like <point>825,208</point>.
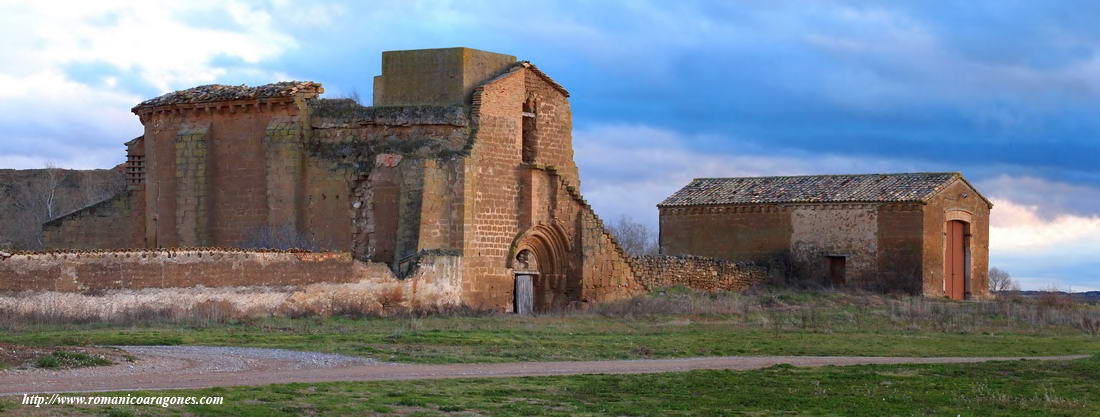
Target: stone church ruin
<point>465,158</point>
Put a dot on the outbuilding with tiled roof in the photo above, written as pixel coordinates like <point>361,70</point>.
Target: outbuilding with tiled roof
<point>922,233</point>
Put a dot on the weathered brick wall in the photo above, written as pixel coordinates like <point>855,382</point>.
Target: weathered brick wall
<point>209,168</point>
<point>880,242</point>
<point>553,129</point>
<point>117,222</point>
<point>89,271</point>
<point>435,283</point>
<point>899,248</point>
<point>750,232</point>
<point>956,202</point>
<point>512,204</point>
<point>706,274</point>
<point>369,169</point>
<point>606,272</point>
<point>822,230</point>
<point>492,192</point>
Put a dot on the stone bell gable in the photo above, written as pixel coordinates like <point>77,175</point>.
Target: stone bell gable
<point>464,153</point>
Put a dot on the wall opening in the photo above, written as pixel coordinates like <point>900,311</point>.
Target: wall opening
<point>838,265</point>
<point>956,260</point>
<point>542,253</point>
<point>529,127</point>
<point>526,269</point>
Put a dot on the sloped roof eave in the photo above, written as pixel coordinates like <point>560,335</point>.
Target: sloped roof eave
<point>523,65</point>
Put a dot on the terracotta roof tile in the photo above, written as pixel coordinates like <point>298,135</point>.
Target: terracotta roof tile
<point>910,187</point>
<point>218,92</point>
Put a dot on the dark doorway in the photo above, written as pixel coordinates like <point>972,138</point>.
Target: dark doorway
<point>955,260</point>
<point>837,267</point>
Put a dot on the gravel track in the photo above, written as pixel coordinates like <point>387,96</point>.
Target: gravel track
<point>170,367</point>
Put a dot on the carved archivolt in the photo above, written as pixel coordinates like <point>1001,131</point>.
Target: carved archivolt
<point>543,248</point>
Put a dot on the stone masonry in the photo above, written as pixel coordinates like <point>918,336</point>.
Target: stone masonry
<point>465,153</point>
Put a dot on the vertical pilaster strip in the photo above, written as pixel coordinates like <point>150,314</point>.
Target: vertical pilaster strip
<point>284,157</point>
<point>192,224</point>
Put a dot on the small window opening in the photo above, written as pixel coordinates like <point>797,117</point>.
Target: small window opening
<point>529,128</point>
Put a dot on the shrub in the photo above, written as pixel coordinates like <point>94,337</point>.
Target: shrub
<point>63,359</point>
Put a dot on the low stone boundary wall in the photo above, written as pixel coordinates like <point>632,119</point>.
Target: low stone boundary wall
<point>706,274</point>
<point>82,271</point>
<point>436,282</point>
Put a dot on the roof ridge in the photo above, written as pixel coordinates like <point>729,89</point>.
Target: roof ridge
<point>827,188</point>
<point>892,174</point>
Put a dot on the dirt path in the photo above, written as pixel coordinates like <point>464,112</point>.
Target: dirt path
<point>168,367</point>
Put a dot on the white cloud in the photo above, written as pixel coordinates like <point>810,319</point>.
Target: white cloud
<point>154,39</point>
<point>82,122</point>
<point>1016,228</point>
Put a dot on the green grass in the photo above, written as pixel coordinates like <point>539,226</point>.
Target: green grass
<point>61,359</point>
<point>1010,388</point>
<point>785,323</point>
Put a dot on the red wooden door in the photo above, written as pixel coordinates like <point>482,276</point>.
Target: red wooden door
<point>955,260</point>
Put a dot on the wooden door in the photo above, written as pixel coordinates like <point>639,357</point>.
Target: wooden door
<point>525,294</point>
<point>837,265</point>
<point>955,260</point>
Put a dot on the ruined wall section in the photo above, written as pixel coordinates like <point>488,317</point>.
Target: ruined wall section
<point>117,222</point>
<point>434,284</point>
<point>91,271</point>
<point>369,168</point>
<point>705,274</point>
<point>606,273</point>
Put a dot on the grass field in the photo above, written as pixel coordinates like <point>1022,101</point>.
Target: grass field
<point>1016,388</point>
<point>676,324</point>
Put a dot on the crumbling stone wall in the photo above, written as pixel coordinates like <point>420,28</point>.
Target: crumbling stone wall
<point>701,273</point>
<point>434,283</point>
<point>117,222</point>
<point>23,195</point>
<point>387,159</point>
<point>100,270</point>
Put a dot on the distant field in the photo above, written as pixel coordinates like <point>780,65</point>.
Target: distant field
<point>673,324</point>
<point>1011,388</point>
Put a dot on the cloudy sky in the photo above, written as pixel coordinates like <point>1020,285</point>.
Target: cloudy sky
<point>1005,91</point>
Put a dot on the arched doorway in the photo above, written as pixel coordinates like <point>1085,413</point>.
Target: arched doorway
<point>956,261</point>
<point>539,262</point>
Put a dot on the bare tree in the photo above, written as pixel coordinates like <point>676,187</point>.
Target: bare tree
<point>43,195</point>
<point>1000,280</point>
<point>635,238</point>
